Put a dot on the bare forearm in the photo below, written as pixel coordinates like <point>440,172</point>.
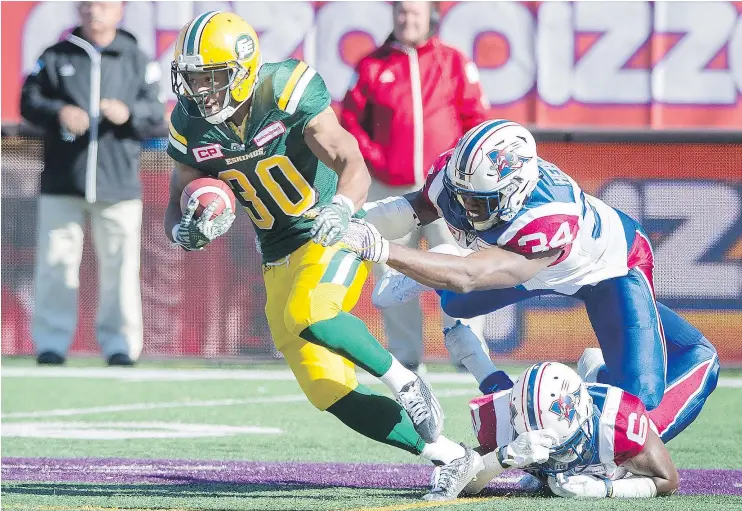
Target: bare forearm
<point>489,269</point>
<point>172,218</point>
<point>654,462</point>
<point>337,149</point>
<point>439,271</point>
<point>665,486</point>
<point>353,181</point>
<point>179,179</point>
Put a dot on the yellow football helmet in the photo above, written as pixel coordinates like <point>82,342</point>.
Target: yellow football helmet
<point>212,42</point>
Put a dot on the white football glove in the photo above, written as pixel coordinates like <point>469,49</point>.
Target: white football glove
<point>531,447</point>
<point>331,221</point>
<point>196,234</point>
<point>366,241</point>
<point>578,486</point>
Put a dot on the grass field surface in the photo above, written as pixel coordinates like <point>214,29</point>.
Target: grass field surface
<point>191,435</point>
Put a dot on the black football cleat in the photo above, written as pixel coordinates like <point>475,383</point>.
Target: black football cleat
<point>120,359</point>
<point>49,358</point>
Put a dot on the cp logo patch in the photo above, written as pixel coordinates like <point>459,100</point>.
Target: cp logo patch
<point>564,407</point>
<point>207,152</point>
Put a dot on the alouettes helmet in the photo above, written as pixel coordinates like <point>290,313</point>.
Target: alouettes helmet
<point>495,164</point>
<point>552,395</point>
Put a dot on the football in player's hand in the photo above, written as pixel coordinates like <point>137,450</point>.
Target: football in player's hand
<point>206,190</point>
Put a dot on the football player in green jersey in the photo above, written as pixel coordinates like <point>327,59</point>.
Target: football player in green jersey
<point>269,132</point>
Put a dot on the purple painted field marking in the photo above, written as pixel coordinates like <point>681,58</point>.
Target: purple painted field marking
<point>353,475</point>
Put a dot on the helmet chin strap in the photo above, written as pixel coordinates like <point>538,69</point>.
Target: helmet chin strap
<point>483,226</point>
<point>226,112</point>
<point>221,116</point>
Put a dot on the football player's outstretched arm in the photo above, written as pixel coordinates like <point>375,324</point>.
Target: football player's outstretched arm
<point>653,464</point>
<point>653,473</point>
<point>529,448</point>
<point>493,268</point>
<point>396,217</point>
<point>337,149</point>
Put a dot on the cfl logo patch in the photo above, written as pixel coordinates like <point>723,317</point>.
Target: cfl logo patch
<point>207,152</point>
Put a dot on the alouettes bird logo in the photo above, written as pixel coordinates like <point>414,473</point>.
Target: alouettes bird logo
<point>505,161</point>
<point>566,406</point>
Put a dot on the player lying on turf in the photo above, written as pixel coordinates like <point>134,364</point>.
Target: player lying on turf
<point>606,443</point>
<point>269,132</point>
<point>534,233</point>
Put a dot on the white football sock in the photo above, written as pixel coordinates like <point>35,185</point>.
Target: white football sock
<point>467,348</point>
<point>443,450</point>
<point>479,365</point>
<point>397,376</point>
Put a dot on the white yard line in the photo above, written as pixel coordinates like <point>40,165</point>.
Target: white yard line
<point>95,410</point>
<point>146,375</point>
<point>67,412</point>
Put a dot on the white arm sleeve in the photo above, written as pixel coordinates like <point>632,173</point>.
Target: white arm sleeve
<point>633,488</point>
<point>394,217</point>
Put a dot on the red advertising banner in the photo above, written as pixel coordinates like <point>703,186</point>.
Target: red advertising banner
<point>210,303</point>
<point>629,64</point>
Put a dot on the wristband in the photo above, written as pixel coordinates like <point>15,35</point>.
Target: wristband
<point>345,201</point>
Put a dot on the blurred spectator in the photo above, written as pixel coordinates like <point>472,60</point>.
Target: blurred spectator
<point>96,96</point>
<point>411,99</point>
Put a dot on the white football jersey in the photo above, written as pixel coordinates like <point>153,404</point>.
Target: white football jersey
<point>596,239</point>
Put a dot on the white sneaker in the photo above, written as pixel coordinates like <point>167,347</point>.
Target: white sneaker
<point>394,288</point>
<point>491,470</point>
<point>590,363</point>
<point>449,480</point>
<point>423,407</point>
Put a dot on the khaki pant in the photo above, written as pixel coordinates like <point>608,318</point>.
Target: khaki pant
<point>403,324</point>
<point>116,229</point>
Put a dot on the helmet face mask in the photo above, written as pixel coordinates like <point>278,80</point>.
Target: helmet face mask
<point>573,453</point>
<point>210,88</point>
<point>483,210</point>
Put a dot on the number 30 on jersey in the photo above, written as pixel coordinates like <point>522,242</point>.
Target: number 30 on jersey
<point>257,210</point>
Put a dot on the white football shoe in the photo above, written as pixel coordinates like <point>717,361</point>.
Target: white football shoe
<point>449,480</point>
<point>394,287</point>
<point>422,406</point>
<point>590,363</point>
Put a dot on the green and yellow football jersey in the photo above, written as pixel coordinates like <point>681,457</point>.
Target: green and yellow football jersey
<point>272,171</point>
